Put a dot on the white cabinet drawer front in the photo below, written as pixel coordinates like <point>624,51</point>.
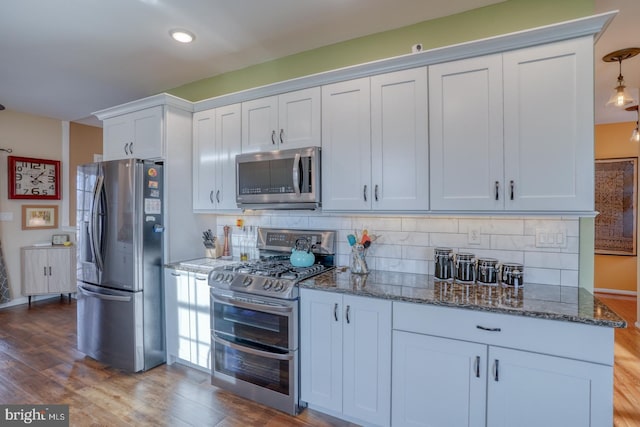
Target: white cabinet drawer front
<point>566,339</point>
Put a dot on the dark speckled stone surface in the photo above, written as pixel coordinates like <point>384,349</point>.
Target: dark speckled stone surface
<point>571,304</point>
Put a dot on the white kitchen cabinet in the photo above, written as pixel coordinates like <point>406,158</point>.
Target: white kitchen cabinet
<point>48,270</point>
<point>375,148</point>
<point>289,120</point>
<point>216,141</point>
<point>346,355</point>
<point>134,135</point>
<point>506,137</point>
<point>530,390</point>
<point>438,381</point>
<point>188,318</point>
<point>456,367</point>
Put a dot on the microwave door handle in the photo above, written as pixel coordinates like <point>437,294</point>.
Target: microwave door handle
<point>296,173</point>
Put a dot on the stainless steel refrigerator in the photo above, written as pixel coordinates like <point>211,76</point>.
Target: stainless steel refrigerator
<point>120,297</point>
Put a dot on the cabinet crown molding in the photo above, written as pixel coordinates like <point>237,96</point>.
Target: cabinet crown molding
<point>141,104</point>
<point>593,25</point>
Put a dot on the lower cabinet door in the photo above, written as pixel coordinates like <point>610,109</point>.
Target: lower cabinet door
<point>200,327</point>
<point>438,382</point>
<point>531,390</point>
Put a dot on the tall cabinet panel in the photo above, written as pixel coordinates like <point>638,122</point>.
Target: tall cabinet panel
<point>400,161</point>
<point>346,145</point>
<point>548,149</point>
<point>465,116</point>
<point>216,141</point>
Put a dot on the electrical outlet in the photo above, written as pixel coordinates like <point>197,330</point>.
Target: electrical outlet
<point>546,238</point>
<point>474,236</point>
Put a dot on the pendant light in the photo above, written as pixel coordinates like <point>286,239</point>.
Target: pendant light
<point>621,97</point>
<point>635,135</point>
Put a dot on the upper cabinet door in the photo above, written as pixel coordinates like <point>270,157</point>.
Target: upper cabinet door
<point>299,119</point>
<point>346,145</point>
<point>134,135</point>
<point>204,155</point>
<point>290,120</point>
<point>228,145</point>
<point>548,128</point>
<point>466,120</point>
<point>399,146</point>
<point>259,124</point>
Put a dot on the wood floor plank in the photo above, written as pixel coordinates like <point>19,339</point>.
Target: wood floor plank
<point>39,363</point>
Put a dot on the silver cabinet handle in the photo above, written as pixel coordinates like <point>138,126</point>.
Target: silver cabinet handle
<point>131,148</point>
<point>496,374</point>
<point>477,366</point>
<point>335,311</point>
<point>484,328</point>
<point>364,192</point>
<point>375,192</point>
<point>218,196</point>
<point>512,185</point>
<point>281,136</point>
<point>126,148</point>
<point>201,278</point>
<point>497,190</point>
<point>45,270</point>
<point>347,314</point>
<point>49,270</point>
<point>211,196</point>
<point>176,274</point>
<point>273,137</point>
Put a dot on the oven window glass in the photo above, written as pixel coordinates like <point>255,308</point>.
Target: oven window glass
<point>272,374</point>
<point>252,326</point>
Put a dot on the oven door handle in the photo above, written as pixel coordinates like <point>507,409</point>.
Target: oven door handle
<point>253,306</point>
<point>261,353</point>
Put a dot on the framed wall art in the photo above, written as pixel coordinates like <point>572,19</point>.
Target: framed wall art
<point>36,217</point>
<point>616,204</point>
<point>31,178</point>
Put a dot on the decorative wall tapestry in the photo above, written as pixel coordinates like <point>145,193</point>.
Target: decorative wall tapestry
<point>615,200</point>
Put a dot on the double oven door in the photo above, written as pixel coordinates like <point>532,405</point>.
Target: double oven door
<point>254,343</point>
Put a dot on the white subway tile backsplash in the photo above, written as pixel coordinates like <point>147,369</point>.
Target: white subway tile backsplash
<point>406,243</point>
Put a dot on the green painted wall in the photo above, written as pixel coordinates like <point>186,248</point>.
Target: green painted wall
<point>501,18</point>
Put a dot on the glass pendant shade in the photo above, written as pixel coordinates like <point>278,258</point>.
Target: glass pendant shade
<point>635,135</point>
<point>621,97</point>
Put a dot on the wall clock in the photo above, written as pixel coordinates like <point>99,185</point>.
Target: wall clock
<point>33,178</point>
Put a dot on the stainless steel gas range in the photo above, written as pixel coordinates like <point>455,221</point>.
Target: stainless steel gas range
<point>254,317</point>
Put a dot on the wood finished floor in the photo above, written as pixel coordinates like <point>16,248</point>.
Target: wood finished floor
<point>39,364</point>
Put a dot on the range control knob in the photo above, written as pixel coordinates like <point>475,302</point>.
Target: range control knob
<point>267,284</point>
<point>247,281</point>
<point>219,277</point>
<point>229,278</point>
<point>279,286</point>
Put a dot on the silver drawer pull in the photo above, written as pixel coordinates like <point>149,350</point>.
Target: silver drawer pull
<point>484,328</point>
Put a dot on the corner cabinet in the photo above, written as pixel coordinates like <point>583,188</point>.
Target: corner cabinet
<point>289,120</point>
<point>216,141</point>
<point>48,270</point>
<point>457,367</point>
<point>375,148</point>
<point>505,136</point>
<point>345,353</point>
<point>188,318</point>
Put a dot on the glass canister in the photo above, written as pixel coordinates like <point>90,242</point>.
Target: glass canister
<point>443,263</point>
<point>465,267</point>
<point>488,271</point>
<point>358,264</point>
<point>513,274</point>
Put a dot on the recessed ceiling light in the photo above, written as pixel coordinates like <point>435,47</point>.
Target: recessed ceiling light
<point>183,36</point>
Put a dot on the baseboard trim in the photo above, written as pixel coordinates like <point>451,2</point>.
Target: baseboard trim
<point>25,300</point>
<point>616,292</point>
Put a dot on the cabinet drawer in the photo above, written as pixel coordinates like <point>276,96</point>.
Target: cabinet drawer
<point>565,339</point>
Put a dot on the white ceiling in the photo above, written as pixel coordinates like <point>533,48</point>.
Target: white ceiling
<point>65,59</point>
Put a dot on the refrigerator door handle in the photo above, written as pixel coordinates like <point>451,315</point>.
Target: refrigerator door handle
<point>103,296</point>
<point>95,235</point>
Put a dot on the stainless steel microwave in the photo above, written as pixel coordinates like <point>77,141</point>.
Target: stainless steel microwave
<point>285,179</point>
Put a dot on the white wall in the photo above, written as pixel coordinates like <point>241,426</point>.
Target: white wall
<point>27,136</point>
<point>406,243</point>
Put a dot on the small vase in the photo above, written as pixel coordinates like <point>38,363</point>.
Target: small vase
<point>358,264</point>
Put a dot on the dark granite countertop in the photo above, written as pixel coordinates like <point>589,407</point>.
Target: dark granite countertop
<point>571,304</point>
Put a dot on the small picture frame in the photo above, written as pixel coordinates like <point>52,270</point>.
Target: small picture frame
<point>59,239</point>
<point>38,217</point>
